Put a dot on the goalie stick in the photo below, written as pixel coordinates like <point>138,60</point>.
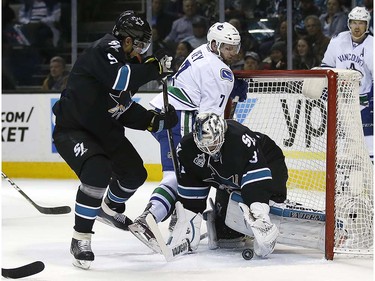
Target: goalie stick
<point>23,271</point>
<point>169,253</point>
<point>44,210</point>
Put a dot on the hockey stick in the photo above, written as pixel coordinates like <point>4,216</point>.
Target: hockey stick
<point>233,108</point>
<point>23,271</point>
<point>172,146</point>
<point>43,210</point>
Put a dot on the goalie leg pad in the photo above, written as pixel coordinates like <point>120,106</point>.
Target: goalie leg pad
<point>187,228</point>
<point>234,216</point>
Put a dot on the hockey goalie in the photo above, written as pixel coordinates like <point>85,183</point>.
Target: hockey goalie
<point>231,158</point>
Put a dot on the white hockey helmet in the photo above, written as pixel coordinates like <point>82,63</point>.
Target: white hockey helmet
<point>208,132</point>
<point>360,13</point>
<point>223,32</point>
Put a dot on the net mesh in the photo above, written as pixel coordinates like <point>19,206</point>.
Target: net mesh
<point>278,107</point>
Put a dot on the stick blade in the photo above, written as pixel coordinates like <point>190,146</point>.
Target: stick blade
<point>23,271</point>
<point>54,210</point>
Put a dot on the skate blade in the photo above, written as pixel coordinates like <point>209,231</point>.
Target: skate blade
<point>82,264</point>
<point>138,231</point>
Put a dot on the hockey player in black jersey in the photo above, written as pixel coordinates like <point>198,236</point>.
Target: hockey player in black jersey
<point>239,163</point>
<point>90,118</point>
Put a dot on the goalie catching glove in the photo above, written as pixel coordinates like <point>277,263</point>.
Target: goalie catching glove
<point>162,60</point>
<point>162,120</point>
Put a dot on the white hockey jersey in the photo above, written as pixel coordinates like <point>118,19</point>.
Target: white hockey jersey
<point>342,54</point>
<point>203,83</point>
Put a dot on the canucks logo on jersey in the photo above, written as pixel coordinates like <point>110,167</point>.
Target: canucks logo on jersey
<point>226,74</point>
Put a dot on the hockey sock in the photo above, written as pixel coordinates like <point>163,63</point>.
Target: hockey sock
<point>86,210</point>
<point>163,201</point>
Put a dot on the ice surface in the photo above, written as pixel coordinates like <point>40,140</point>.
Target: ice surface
<point>28,235</point>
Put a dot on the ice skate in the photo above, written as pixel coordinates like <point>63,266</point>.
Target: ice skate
<point>80,248</point>
<point>113,215</point>
<point>142,231</point>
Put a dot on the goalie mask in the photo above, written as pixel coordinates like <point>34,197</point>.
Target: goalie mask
<point>208,132</point>
<point>359,14</point>
<point>130,24</point>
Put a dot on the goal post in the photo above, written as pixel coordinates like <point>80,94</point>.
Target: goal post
<point>314,116</point>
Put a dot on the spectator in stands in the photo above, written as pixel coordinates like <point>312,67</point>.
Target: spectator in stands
<point>247,41</point>
<point>304,57</point>
<point>237,9</point>
<point>306,8</point>
<point>176,63</point>
<point>334,20</point>
<point>183,49</point>
<point>252,61</point>
<point>200,28</point>
<point>8,18</point>
<point>209,9</point>
<point>57,77</point>
<point>183,27</point>
<point>174,8</point>
<point>40,19</point>
<point>161,20</point>
<point>277,59</point>
<point>314,32</point>
<point>238,61</point>
<point>157,41</point>
<point>369,5</point>
<point>280,35</point>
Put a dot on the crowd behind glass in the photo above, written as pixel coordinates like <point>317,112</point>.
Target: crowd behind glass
<point>36,34</point>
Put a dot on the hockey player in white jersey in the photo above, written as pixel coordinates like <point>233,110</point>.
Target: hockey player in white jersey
<point>203,83</point>
<point>354,49</point>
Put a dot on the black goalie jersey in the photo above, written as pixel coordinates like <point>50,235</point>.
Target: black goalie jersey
<point>243,165</point>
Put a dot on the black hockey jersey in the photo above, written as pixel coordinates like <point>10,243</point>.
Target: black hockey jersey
<point>242,166</point>
<point>98,96</point>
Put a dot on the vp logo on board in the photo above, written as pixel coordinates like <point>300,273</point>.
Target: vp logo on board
<point>243,109</point>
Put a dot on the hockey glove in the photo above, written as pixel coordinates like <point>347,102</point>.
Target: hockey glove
<point>240,89</point>
<point>162,61</point>
<point>162,121</point>
<point>165,58</point>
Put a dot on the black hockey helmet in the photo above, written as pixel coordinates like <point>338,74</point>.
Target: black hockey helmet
<point>135,26</point>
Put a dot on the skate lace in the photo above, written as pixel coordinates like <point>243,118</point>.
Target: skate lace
<point>84,245</point>
<point>120,218</point>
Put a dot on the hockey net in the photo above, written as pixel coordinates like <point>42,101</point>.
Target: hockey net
<point>322,139</point>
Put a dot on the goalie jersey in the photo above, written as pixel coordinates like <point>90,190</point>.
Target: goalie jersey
<point>241,165</point>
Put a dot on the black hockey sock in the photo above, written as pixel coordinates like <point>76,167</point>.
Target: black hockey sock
<point>84,206</point>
